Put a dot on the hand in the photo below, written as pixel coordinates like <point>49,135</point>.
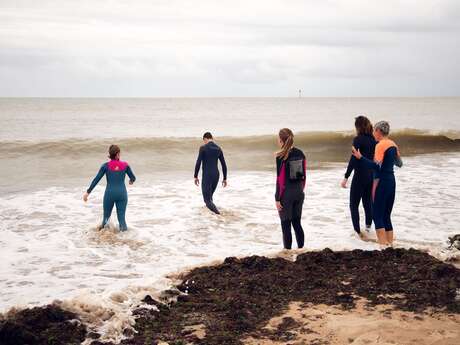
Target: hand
<point>279,207</point>
<point>131,182</point>
<point>356,152</point>
<point>197,181</point>
<point>85,197</point>
<point>224,183</point>
<point>343,184</point>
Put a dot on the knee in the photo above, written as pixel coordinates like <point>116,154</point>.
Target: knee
<point>296,221</point>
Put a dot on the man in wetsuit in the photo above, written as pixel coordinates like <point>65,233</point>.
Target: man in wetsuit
<point>208,155</point>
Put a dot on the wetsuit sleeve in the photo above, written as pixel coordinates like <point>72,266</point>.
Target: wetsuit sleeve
<point>304,182</point>
<point>353,160</point>
<point>224,165</point>
<point>398,161</point>
<point>371,164</point>
<point>198,162</point>
<point>98,177</point>
<point>278,187</point>
<point>130,173</point>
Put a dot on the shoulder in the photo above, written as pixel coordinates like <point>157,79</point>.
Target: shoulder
<point>296,152</point>
<point>385,144</point>
<point>104,165</point>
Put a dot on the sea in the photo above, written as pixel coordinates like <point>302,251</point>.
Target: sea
<point>51,250</point>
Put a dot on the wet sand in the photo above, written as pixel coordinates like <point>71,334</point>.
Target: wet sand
<point>396,296</point>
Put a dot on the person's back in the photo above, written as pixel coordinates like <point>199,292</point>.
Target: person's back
<point>361,185</point>
<point>208,156</point>
<point>211,153</point>
<point>115,190</point>
<point>390,159</point>
<point>366,144</point>
<point>115,174</point>
<point>295,186</point>
<point>291,166</point>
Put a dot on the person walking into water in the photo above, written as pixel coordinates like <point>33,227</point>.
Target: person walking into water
<point>115,191</point>
<point>290,184</point>
<point>386,157</point>
<point>363,176</point>
<point>208,156</point>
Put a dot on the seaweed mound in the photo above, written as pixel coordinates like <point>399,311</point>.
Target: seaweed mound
<point>225,303</point>
<point>48,325</point>
<point>221,305</point>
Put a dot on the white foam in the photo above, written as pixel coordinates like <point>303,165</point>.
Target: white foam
<point>50,247</point>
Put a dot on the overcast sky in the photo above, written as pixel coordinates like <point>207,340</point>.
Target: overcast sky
<point>230,48</point>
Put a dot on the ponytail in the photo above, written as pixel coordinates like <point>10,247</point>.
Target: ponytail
<point>287,138</point>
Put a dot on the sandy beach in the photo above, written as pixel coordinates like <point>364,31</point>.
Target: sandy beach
<point>395,296</point>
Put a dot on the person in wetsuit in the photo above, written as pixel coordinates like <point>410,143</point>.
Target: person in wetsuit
<point>384,190</point>
<point>363,176</point>
<point>208,156</point>
<point>115,191</point>
<point>290,184</point>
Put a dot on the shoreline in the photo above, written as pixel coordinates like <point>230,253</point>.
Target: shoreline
<point>238,300</point>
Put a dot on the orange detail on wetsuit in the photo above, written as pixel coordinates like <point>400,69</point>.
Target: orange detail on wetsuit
<point>381,148</point>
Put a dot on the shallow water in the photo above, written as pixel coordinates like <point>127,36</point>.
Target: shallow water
<point>51,148</point>
<point>51,248</point>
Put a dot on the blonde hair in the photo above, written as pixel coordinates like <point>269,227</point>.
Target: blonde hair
<point>287,138</point>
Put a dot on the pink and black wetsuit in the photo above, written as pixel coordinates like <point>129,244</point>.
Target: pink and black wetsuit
<point>115,191</point>
<point>290,185</point>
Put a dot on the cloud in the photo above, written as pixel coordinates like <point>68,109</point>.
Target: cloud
<point>247,48</point>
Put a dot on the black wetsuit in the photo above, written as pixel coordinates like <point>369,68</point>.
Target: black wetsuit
<point>291,195</point>
<point>361,185</point>
<point>208,155</point>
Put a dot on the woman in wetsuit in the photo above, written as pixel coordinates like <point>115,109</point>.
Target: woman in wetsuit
<point>384,190</point>
<point>115,191</point>
<point>361,185</point>
<point>290,184</point>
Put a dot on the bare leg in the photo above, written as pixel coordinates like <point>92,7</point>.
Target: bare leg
<point>381,237</point>
<point>389,237</point>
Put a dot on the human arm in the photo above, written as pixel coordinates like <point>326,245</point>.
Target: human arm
<point>198,165</point>
<point>95,181</point>
<point>132,177</point>
<point>366,161</point>
<point>304,182</point>
<point>398,160</point>
<point>352,163</point>
<point>280,176</point>
<point>224,168</point>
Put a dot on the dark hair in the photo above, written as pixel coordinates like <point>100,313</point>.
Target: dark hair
<point>207,135</point>
<point>287,138</point>
<point>113,151</point>
<point>363,125</point>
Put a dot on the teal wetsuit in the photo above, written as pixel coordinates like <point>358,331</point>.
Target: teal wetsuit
<point>115,191</point>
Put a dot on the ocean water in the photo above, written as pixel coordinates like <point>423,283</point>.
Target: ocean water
<point>51,149</point>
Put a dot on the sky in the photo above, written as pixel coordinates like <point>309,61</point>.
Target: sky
<point>201,48</point>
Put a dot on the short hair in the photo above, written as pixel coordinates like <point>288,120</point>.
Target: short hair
<point>383,127</point>
<point>113,151</point>
<point>207,135</point>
